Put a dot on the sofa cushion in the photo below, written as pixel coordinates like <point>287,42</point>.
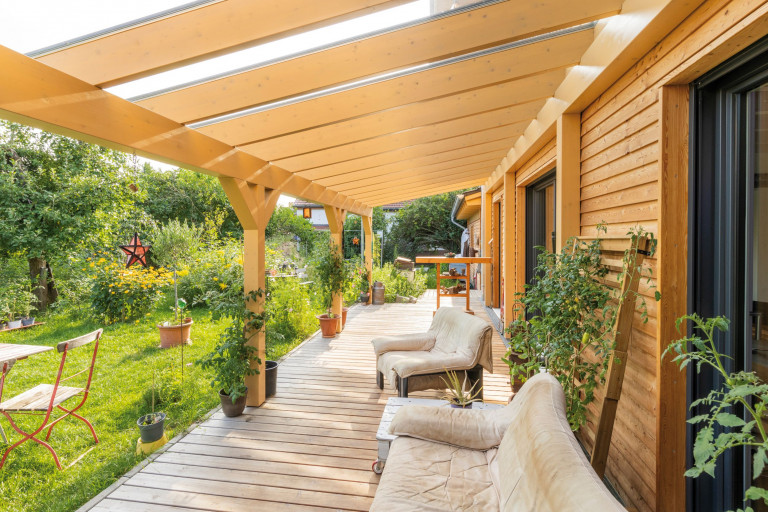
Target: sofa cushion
<point>541,465</point>
<point>425,476</point>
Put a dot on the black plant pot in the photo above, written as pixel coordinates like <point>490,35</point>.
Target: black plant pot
<point>229,408</point>
<point>153,432</point>
<point>27,321</point>
<point>270,376</point>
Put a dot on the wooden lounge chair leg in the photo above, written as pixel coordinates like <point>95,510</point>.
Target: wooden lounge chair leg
<point>402,387</point>
<point>380,380</point>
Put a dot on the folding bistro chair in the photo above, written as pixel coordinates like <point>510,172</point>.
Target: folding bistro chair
<point>43,398</point>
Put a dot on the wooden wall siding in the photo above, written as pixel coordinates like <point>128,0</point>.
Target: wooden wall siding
<point>620,165</point>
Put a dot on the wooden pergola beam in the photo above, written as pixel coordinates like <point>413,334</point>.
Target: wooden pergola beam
<point>487,160</point>
<point>504,66</point>
<point>351,180</point>
<point>434,177</point>
<point>400,140</point>
<point>413,116</point>
<point>40,96</point>
<point>241,132</point>
<point>478,28</point>
<point>424,192</point>
<point>409,152</point>
<point>197,34</point>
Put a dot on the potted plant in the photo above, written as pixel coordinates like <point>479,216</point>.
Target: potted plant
<point>174,333</point>
<point>231,359</point>
<point>365,285</point>
<point>331,271</point>
<point>152,425</point>
<point>20,306</point>
<point>457,393</point>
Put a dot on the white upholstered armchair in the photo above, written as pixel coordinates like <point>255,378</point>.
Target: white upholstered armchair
<point>455,341</point>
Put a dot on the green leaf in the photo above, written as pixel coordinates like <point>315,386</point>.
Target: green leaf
<point>758,463</point>
<point>756,493</point>
<point>727,419</point>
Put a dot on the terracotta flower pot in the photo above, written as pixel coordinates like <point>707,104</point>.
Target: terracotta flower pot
<point>328,325</point>
<point>344,317</point>
<point>229,408</point>
<point>175,335</point>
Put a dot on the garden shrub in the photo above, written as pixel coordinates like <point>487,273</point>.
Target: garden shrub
<point>120,294</point>
<point>215,268</point>
<point>397,283</point>
<point>176,244</point>
<point>291,308</point>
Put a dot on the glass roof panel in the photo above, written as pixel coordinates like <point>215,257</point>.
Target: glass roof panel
<point>35,24</point>
<point>289,47</point>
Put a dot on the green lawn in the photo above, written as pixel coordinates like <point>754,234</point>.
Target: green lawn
<point>120,393</point>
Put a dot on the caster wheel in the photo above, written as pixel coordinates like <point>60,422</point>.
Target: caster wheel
<point>378,467</point>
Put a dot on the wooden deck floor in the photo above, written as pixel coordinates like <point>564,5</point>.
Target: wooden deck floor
<point>308,448</point>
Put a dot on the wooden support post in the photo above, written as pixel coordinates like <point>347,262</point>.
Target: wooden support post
<point>508,249</point>
<point>672,283</point>
<point>568,179</point>
<point>336,218</point>
<point>368,252</point>
<point>253,205</point>
<point>622,333</point>
<point>487,234</point>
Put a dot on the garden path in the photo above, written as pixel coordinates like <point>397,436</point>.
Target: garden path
<point>308,448</point>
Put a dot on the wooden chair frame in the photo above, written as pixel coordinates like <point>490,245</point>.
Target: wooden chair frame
<point>63,348</point>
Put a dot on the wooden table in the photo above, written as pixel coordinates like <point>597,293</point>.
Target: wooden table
<point>441,259</point>
<point>18,351</point>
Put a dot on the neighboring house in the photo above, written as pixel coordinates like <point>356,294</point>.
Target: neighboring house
<point>315,213</point>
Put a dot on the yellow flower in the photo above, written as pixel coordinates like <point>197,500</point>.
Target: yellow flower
<point>101,260</point>
<point>182,273</point>
<point>92,264</point>
<point>222,285</point>
<point>215,278</point>
<point>113,293</point>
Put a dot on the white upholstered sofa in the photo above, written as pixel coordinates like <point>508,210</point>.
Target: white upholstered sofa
<point>522,458</point>
<point>455,341</point>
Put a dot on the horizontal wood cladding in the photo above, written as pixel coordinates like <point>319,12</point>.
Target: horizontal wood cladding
<point>620,171</point>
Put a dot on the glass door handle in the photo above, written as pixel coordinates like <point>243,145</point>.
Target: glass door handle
<point>758,316</point>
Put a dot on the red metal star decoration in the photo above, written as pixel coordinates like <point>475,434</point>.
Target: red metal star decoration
<point>356,241</point>
<point>136,252</point>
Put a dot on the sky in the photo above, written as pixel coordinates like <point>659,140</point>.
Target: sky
<point>35,24</point>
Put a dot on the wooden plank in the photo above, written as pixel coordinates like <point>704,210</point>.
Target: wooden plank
<point>402,154</point>
<point>672,282</point>
<point>431,111</point>
<point>617,365</point>
<point>437,132</point>
<point>40,96</point>
<point>379,199</point>
<point>195,34</point>
<point>446,159</point>
<point>312,444</point>
<point>399,49</point>
<point>568,179</point>
<point>508,249</point>
<point>543,57</point>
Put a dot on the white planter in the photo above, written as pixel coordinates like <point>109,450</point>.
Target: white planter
<point>14,324</point>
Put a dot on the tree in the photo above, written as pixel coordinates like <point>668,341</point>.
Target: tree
<point>189,196</point>
<point>56,194</point>
<point>425,225</point>
<point>285,223</point>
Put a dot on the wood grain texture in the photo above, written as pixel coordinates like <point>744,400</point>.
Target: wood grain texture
<point>311,446</point>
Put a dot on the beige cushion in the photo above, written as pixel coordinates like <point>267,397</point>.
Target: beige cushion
<point>542,468</point>
<point>431,477</point>
<point>454,341</point>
